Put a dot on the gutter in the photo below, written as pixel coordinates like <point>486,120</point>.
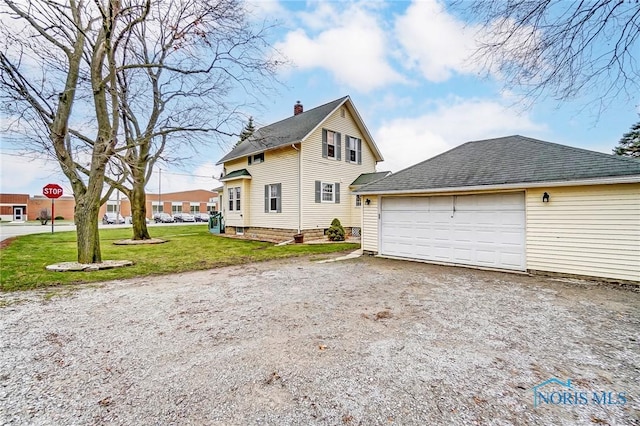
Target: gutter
<point>299,186</point>
<point>521,185</point>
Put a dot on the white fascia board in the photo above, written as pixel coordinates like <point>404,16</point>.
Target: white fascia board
<point>511,186</point>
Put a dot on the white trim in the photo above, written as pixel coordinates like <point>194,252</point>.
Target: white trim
<point>333,192</point>
<point>176,203</point>
<point>510,186</point>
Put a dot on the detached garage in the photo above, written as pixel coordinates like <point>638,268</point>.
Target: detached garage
<point>512,203</point>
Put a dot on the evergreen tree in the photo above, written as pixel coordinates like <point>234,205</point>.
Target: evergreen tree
<point>629,145</point>
<point>247,131</point>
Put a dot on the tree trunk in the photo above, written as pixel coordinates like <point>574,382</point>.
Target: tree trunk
<point>139,211</point>
<point>86,218</point>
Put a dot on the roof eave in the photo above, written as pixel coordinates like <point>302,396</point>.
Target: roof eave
<point>523,185</point>
<point>256,152</point>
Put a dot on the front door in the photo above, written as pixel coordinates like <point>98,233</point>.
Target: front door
<point>18,214</point>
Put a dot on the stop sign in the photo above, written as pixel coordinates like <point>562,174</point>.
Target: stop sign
<point>52,190</point>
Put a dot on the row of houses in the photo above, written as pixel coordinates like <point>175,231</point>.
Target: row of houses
<point>21,207</point>
<point>512,203</point>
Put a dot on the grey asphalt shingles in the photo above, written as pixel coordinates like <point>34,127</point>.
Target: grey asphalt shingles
<point>290,130</point>
<point>506,160</point>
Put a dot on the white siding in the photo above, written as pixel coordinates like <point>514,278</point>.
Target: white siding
<point>279,166</point>
<point>370,223</point>
<point>586,230</point>
<point>315,167</point>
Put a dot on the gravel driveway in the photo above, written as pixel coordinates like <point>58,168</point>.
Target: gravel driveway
<point>366,341</point>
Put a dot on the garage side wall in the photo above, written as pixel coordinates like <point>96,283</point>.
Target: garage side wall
<point>586,230</point>
<point>370,212</point>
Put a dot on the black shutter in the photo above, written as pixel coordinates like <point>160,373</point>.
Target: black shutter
<point>324,143</point>
<point>359,153</point>
<point>279,199</point>
<point>266,198</point>
<point>347,145</point>
<point>336,188</point>
<point>249,160</point>
<point>338,147</point>
<point>318,191</point>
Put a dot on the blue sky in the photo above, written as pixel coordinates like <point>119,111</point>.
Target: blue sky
<point>405,66</point>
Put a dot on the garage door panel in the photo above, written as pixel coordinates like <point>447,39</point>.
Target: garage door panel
<point>483,230</point>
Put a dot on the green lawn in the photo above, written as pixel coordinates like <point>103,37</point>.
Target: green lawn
<point>188,248</point>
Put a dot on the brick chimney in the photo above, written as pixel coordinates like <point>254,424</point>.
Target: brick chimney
<point>297,108</point>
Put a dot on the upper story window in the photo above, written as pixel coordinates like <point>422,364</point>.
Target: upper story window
<point>331,145</point>
<point>256,158</point>
<point>353,149</point>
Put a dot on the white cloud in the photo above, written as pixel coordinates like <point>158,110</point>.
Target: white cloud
<point>28,174</point>
<point>351,45</point>
<point>434,41</point>
<point>174,180</point>
<point>407,141</point>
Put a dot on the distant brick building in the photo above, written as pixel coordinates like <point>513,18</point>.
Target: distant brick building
<point>19,207</point>
<point>196,201</point>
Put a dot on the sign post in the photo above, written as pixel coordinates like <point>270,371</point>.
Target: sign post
<point>52,191</point>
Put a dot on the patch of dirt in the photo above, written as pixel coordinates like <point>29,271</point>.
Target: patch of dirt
<point>6,242</point>
<point>366,341</point>
<point>130,242</point>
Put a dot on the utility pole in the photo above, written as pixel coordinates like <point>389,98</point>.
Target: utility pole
<point>160,208</point>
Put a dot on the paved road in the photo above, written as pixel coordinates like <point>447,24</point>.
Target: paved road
<point>8,230</point>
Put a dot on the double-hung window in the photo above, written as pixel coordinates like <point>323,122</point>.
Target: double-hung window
<point>327,192</point>
<point>331,144</point>
<point>273,198</point>
<point>232,194</point>
<point>353,148</point>
<point>234,199</point>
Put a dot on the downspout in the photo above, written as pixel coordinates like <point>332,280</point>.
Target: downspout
<point>299,187</point>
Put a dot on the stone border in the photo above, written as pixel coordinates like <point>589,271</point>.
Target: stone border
<point>130,242</point>
<point>88,267</point>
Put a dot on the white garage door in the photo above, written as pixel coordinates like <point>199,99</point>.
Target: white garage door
<point>479,230</point>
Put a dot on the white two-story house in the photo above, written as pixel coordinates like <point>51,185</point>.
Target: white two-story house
<point>296,175</point>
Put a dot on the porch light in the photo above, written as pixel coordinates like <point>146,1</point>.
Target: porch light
<point>545,197</point>
<point>367,201</point>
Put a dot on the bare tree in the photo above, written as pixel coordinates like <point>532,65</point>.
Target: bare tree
<point>106,86</point>
<point>558,48</point>
<point>58,56</point>
<point>175,76</point>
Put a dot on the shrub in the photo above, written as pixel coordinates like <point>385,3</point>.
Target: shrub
<point>335,231</point>
<point>44,216</point>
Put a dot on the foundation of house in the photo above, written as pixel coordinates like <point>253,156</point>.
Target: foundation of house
<point>280,234</point>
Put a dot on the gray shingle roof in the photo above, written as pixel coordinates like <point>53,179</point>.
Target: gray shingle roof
<point>502,161</point>
<point>284,132</point>
<point>366,178</point>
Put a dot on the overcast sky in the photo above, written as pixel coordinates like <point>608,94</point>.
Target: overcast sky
<point>405,66</point>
